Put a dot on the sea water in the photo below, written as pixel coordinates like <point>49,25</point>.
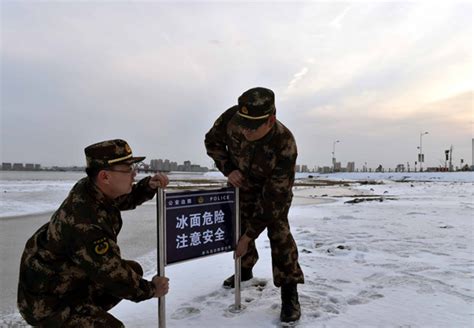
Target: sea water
<point>23,193</point>
<point>33,192</point>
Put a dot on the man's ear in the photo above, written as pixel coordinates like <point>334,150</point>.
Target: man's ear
<point>272,119</point>
<point>103,177</point>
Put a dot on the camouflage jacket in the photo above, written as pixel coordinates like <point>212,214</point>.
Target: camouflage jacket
<point>268,166</point>
<point>78,248</point>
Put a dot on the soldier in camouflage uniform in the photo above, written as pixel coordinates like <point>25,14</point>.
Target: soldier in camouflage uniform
<point>257,153</point>
<point>71,271</point>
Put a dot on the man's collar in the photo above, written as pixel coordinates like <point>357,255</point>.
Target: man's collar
<point>97,194</point>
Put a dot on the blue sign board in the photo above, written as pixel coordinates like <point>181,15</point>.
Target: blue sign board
<point>199,223</point>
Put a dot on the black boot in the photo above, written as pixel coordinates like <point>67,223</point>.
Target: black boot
<point>290,306</point>
<point>245,274</point>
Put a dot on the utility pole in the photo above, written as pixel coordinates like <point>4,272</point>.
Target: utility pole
<point>334,155</point>
<point>421,156</point>
<point>451,159</point>
<point>446,157</point>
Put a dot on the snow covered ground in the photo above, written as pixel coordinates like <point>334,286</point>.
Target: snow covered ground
<point>404,262</point>
<point>401,257</point>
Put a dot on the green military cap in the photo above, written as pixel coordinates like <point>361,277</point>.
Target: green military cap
<point>255,106</point>
<point>110,152</point>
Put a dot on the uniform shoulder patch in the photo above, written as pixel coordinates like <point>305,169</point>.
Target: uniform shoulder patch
<point>101,246</point>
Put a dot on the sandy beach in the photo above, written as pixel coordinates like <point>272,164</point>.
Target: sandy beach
<point>14,233</point>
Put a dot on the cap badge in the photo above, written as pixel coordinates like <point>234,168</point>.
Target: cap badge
<point>101,246</point>
<point>127,149</point>
<point>244,110</point>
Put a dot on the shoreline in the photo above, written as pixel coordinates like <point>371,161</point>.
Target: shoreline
<point>303,194</point>
<point>26,216</point>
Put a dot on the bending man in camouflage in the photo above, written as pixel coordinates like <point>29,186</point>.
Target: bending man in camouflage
<point>71,270</point>
<point>258,154</point>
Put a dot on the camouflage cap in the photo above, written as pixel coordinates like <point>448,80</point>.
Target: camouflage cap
<point>110,152</point>
<point>255,106</point>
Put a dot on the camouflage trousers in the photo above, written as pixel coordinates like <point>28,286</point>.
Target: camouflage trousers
<point>286,269</point>
<point>89,310</point>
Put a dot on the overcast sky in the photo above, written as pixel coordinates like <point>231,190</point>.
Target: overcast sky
<point>372,75</point>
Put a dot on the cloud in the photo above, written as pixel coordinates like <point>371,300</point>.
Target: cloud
<point>336,22</point>
<point>298,76</point>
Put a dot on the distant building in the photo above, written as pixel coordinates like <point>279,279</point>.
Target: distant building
<point>337,166</point>
<point>297,168</point>
<point>167,165</point>
<point>304,168</point>
<point>437,169</point>
<point>20,167</point>
<point>156,164</point>
<point>198,168</point>
<point>364,168</point>
<point>325,169</point>
<point>187,166</point>
<point>350,166</point>
<point>400,168</point>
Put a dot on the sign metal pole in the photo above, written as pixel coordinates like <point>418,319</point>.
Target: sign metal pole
<point>237,307</point>
<point>160,203</point>
<point>237,260</point>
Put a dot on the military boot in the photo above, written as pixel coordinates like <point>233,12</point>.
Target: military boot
<point>245,274</point>
<point>290,306</point>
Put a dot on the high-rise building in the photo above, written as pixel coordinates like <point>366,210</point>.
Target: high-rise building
<point>187,166</point>
<point>350,166</point>
<point>326,169</point>
<point>400,168</point>
<point>167,165</point>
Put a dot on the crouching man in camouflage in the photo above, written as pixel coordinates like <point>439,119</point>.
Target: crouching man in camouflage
<point>71,271</point>
<point>257,153</point>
